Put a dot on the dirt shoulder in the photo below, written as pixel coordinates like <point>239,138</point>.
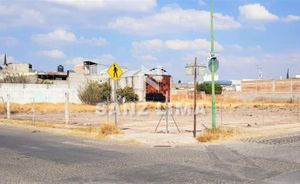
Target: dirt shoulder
<point>150,138</point>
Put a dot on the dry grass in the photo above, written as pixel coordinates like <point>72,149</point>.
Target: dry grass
<point>48,108</point>
<point>98,132</point>
<point>31,123</point>
<point>109,129</point>
<point>227,104</point>
<point>216,134</point>
<point>95,132</point>
<point>44,108</point>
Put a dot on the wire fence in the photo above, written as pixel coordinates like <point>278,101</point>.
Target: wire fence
<point>145,116</point>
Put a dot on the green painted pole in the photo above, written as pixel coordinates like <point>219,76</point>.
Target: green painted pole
<point>212,43</point>
<point>212,50</point>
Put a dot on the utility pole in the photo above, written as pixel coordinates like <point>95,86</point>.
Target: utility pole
<point>194,70</point>
<point>213,67</point>
<point>195,96</point>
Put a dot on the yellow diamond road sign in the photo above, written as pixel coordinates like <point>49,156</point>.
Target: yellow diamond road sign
<point>115,71</point>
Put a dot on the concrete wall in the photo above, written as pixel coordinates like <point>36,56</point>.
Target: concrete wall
<point>280,90</point>
<point>28,93</point>
<point>231,96</point>
<point>271,86</point>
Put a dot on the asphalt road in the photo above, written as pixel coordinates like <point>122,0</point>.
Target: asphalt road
<point>39,157</point>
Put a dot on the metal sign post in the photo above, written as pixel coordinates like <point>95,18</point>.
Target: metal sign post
<point>115,72</point>
<point>115,103</point>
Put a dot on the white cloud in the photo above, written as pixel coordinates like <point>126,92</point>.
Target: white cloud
<point>180,45</point>
<point>61,36</point>
<point>102,59</point>
<point>156,49</point>
<point>173,20</point>
<point>120,5</point>
<point>147,58</point>
<point>153,45</point>
<point>106,59</point>
<point>8,41</point>
<point>93,41</point>
<point>14,15</point>
<point>75,61</point>
<point>291,18</point>
<point>57,54</point>
<point>272,64</point>
<point>234,48</point>
<point>256,12</point>
<point>57,36</point>
<point>256,15</point>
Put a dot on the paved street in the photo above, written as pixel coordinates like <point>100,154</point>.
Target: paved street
<point>37,157</point>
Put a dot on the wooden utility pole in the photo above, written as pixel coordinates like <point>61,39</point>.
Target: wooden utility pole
<point>195,96</point>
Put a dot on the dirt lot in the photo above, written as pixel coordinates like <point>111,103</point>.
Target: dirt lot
<point>234,116</point>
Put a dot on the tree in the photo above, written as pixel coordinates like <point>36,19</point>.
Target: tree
<point>128,94</point>
<point>206,87</point>
<point>94,92</point>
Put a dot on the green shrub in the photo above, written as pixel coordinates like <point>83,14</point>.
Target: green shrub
<point>94,92</point>
<point>128,94</point>
<point>206,87</point>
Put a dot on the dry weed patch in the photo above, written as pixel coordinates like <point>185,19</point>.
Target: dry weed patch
<point>210,135</point>
<point>109,129</point>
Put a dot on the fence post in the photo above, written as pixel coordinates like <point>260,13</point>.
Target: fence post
<point>263,112</point>
<point>297,103</point>
<point>107,109</point>
<point>67,108</point>
<point>8,106</point>
<point>222,96</point>
<point>167,112</point>
<point>33,112</point>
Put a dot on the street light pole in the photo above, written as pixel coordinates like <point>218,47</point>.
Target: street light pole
<point>212,50</point>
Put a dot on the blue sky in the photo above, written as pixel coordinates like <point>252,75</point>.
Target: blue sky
<point>148,33</point>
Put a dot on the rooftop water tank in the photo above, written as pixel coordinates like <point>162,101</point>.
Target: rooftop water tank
<point>60,68</point>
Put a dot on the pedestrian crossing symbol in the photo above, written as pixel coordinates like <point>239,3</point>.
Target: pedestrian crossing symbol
<point>115,71</point>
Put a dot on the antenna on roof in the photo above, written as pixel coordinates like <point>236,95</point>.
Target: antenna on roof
<point>5,61</point>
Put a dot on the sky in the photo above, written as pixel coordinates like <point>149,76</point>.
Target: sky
<point>249,34</point>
